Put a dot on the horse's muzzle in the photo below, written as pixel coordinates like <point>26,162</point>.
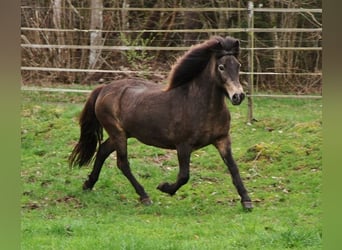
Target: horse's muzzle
<point>238,98</point>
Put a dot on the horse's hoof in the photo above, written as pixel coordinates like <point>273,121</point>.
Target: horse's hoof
<point>146,201</point>
<point>85,187</point>
<point>164,187</point>
<point>247,205</point>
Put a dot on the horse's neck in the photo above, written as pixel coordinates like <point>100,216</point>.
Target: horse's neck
<point>208,88</point>
<point>204,92</point>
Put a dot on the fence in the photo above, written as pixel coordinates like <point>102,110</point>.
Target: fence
<point>250,72</point>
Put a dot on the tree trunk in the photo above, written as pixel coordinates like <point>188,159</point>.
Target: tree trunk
<point>222,18</point>
<point>96,25</point>
<point>57,16</point>
<point>276,43</point>
<point>192,20</point>
<point>125,36</point>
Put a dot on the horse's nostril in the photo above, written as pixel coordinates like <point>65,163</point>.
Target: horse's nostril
<point>242,96</point>
<point>238,98</point>
<point>235,98</point>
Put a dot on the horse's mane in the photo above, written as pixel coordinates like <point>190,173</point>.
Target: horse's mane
<point>196,59</point>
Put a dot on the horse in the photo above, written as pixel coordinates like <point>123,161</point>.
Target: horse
<point>186,114</point>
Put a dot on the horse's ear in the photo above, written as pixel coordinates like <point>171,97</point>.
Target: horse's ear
<point>228,43</point>
<point>237,43</point>
<point>231,42</point>
<point>214,44</point>
<point>225,46</point>
<point>219,43</point>
<point>233,45</point>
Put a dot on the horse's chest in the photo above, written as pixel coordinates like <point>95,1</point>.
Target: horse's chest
<point>209,130</point>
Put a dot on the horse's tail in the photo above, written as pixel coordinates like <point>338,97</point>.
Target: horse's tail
<point>91,132</point>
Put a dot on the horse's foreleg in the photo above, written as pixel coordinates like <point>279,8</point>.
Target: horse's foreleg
<point>183,153</point>
<point>123,165</point>
<point>105,149</point>
<point>224,147</point>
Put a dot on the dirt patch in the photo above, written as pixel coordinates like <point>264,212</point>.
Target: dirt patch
<point>70,200</point>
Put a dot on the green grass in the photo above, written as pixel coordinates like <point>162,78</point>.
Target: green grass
<point>280,160</point>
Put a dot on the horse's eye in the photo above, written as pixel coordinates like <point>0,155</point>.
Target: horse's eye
<point>221,67</point>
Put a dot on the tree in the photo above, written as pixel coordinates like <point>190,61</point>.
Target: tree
<point>64,22</point>
<point>96,25</point>
<point>57,16</point>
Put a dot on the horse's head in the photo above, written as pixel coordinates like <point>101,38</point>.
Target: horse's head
<point>227,67</point>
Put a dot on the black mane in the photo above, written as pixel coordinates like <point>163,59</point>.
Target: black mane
<point>196,59</point>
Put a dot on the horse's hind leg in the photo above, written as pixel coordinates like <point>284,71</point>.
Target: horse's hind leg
<point>105,149</point>
<point>123,165</point>
<point>224,147</point>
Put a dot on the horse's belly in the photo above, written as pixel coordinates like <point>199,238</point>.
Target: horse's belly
<point>154,139</point>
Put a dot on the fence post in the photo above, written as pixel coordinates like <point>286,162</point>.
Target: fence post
<point>250,61</point>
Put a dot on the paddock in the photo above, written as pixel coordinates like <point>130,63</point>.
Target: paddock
<point>279,156</point>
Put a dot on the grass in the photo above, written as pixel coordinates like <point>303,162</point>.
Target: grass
<point>280,160</point>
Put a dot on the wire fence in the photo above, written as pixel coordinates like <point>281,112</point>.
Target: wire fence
<point>70,90</point>
<point>249,46</point>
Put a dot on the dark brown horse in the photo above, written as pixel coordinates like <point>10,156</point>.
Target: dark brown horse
<point>190,113</point>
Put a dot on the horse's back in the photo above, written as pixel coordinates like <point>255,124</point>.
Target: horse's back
<point>118,87</point>
<point>127,102</point>
<point>130,89</point>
